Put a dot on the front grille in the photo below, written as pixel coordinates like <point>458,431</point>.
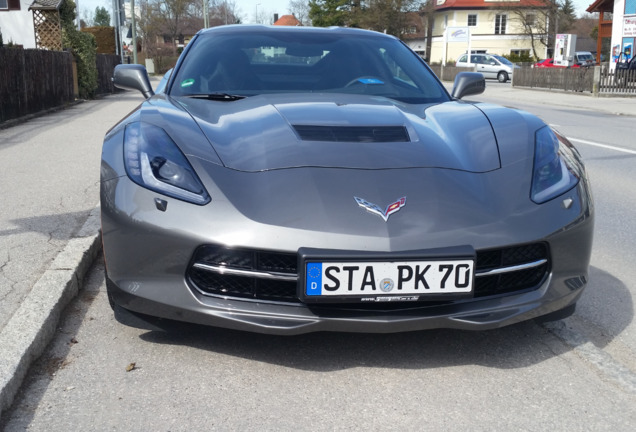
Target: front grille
<point>259,275</point>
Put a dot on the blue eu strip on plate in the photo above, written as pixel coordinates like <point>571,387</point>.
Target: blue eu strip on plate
<point>314,279</point>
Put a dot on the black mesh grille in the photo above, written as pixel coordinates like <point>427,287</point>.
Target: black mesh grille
<point>285,263</point>
<point>352,133</point>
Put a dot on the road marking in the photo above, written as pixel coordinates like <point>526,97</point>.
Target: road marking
<point>595,144</point>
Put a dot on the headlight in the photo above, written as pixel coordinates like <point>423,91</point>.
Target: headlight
<point>155,162</point>
<point>554,167</point>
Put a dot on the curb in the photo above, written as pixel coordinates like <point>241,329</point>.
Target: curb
<point>33,325</point>
<point>16,121</point>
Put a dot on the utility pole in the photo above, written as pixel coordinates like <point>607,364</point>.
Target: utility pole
<point>206,14</point>
<point>134,30</point>
<point>117,23</point>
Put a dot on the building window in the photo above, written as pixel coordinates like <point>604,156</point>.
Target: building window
<point>500,24</point>
<point>472,20</point>
<point>9,4</point>
<point>520,52</point>
<point>531,19</point>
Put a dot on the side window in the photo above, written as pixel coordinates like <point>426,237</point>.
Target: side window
<point>475,59</point>
<point>463,59</point>
<point>396,70</point>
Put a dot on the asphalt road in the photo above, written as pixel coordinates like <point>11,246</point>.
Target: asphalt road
<point>577,374</point>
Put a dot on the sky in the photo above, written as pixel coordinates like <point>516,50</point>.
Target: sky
<point>248,8</point>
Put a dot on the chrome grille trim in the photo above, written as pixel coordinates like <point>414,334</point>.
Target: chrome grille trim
<point>294,277</point>
<point>247,273</point>
<point>510,269</point>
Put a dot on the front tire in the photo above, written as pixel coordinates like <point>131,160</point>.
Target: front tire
<point>502,77</point>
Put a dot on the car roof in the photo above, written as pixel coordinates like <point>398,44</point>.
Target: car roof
<point>265,29</point>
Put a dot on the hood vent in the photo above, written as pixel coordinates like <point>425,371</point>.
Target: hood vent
<point>353,133</point>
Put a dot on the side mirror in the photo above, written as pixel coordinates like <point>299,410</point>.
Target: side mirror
<point>132,77</point>
<point>468,83</point>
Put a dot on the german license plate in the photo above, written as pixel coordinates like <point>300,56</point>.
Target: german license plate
<point>400,278</point>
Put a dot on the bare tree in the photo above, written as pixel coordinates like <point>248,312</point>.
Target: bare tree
<point>389,16</point>
<point>543,22</point>
<point>300,9</point>
<point>223,12</point>
<point>174,13</point>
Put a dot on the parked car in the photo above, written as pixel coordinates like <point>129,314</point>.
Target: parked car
<point>490,65</point>
<point>549,63</point>
<point>625,70</point>
<point>584,59</point>
<point>581,59</point>
<point>294,179</point>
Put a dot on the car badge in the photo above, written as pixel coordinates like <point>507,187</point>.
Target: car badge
<point>376,209</point>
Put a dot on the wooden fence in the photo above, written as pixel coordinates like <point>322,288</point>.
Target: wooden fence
<point>33,80</point>
<point>622,83</point>
<point>566,79</point>
<point>448,73</point>
<point>596,80</point>
<point>105,66</point>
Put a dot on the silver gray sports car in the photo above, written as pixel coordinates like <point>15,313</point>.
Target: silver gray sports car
<point>288,180</point>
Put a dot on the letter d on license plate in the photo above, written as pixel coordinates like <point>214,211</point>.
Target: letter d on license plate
<point>414,278</point>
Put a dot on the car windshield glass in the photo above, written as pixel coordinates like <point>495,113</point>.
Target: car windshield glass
<point>503,60</point>
<point>266,61</point>
<point>585,57</point>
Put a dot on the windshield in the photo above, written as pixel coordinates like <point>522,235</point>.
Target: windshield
<point>276,60</point>
<point>503,60</point>
<point>585,57</point>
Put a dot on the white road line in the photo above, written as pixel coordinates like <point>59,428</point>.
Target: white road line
<point>595,144</point>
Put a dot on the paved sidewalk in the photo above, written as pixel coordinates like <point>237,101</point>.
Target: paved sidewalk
<point>49,224</point>
<point>67,229</point>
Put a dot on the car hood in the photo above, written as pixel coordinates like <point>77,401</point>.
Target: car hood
<point>269,132</point>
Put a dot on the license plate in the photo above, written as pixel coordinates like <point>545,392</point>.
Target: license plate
<point>379,279</point>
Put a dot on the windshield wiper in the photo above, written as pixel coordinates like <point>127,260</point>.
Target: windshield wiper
<point>217,96</point>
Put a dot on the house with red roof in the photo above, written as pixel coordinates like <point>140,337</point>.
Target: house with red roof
<point>287,20</point>
<point>493,26</point>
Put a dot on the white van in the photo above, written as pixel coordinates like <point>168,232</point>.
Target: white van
<point>490,65</point>
<point>584,58</point>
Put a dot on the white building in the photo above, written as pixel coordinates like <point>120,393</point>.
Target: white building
<point>493,26</point>
<point>16,22</point>
<point>623,31</point>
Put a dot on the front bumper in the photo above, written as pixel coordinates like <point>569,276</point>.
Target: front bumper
<point>148,251</point>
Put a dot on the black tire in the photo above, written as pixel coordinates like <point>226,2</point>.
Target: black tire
<point>109,289</point>
<point>502,77</point>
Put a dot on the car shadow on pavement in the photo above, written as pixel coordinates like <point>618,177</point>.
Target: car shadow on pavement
<point>89,335</point>
<point>606,303</point>
<point>54,226</point>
